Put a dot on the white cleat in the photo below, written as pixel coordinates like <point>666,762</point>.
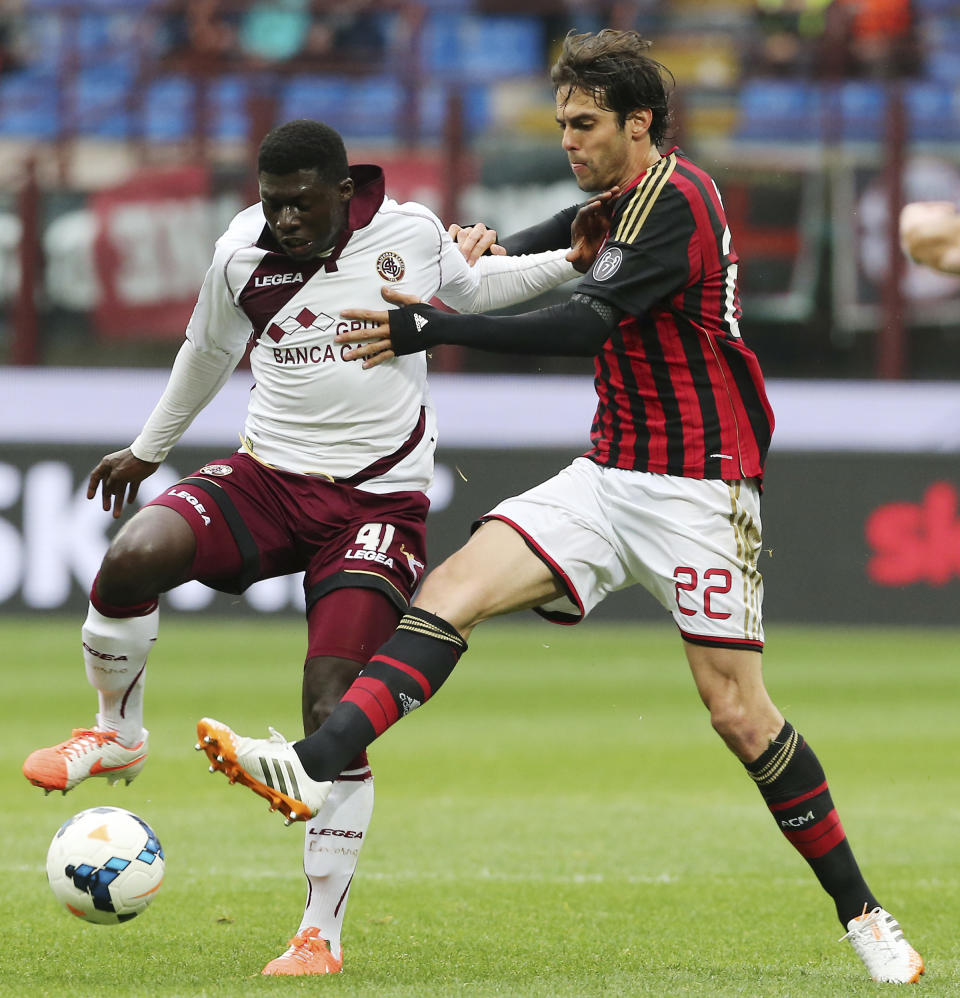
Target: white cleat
<point>268,766</point>
<point>87,752</point>
<point>879,942</point>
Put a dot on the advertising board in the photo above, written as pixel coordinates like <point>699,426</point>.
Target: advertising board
<point>861,505</point>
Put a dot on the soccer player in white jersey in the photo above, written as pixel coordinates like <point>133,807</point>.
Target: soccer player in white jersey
<point>330,478</point>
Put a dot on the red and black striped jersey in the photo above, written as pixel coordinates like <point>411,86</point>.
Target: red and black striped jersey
<point>679,393</point>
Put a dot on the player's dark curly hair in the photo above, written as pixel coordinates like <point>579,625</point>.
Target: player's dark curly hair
<point>613,67</point>
<point>304,145</point>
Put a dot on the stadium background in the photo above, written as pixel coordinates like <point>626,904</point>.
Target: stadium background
<point>127,139</point>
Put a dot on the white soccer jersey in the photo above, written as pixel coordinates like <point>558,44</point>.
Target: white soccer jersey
<point>312,412</point>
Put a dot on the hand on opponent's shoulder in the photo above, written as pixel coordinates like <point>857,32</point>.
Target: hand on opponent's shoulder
<point>588,231</point>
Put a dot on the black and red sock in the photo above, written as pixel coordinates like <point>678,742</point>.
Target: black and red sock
<point>407,670</point>
<point>792,782</point>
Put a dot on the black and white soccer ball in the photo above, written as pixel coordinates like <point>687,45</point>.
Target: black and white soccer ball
<point>105,865</point>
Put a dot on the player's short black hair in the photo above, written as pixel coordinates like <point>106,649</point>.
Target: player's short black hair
<point>304,145</point>
<point>613,67</point>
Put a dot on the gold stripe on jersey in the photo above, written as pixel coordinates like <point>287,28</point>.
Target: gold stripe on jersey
<point>781,759</point>
<point>375,575</point>
<point>420,626</point>
<point>247,447</point>
<point>642,199</point>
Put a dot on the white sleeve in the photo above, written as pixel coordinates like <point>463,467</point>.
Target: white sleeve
<point>195,379</point>
<point>217,337</point>
<point>497,281</point>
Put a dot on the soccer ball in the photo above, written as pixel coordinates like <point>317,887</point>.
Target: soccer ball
<point>105,865</point>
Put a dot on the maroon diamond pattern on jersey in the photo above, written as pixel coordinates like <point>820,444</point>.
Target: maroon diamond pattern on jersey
<point>304,319</point>
<point>262,299</point>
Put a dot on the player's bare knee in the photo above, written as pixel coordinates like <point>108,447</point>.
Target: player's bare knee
<point>451,592</point>
<point>127,574</point>
<point>726,718</point>
<point>746,732</point>
<point>729,716</point>
<point>141,563</point>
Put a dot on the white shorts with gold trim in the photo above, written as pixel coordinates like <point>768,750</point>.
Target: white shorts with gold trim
<point>694,544</point>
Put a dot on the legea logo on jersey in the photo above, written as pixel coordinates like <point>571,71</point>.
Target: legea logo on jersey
<point>608,264</point>
<point>304,319</point>
<point>390,266</point>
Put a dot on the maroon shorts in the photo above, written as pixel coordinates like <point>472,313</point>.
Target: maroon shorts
<point>252,522</point>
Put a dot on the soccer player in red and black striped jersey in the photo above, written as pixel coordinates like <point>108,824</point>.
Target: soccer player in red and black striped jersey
<point>668,494</point>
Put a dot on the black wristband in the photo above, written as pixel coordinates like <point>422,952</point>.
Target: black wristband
<point>407,325</point>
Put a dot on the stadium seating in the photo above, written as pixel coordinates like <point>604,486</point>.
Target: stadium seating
<point>779,110</point>
<point>99,103</point>
<point>227,111</point>
<point>168,109</point>
<point>96,69</point>
<point>479,49</point>
<point>29,105</point>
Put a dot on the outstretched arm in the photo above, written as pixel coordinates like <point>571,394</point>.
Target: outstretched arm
<point>578,328</point>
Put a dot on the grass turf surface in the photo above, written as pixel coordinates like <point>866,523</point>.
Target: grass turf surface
<point>561,822</point>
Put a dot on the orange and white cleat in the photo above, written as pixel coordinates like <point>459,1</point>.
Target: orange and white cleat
<point>268,766</point>
<point>87,752</point>
<point>309,953</point>
<point>879,942</point>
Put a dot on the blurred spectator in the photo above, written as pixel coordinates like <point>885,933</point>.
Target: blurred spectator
<point>200,30</point>
<point>878,38</point>
<point>833,38</point>
<point>787,37</point>
<point>298,35</point>
<point>276,31</point>
<point>11,35</point>
<point>356,29</point>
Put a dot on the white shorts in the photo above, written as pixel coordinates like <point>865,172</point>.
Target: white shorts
<point>694,544</point>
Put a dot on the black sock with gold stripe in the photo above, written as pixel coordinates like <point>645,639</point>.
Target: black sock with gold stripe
<point>792,782</point>
<point>407,670</point>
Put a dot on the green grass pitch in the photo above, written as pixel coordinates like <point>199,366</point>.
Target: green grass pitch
<point>560,822</point>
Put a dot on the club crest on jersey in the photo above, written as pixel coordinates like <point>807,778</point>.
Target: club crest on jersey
<point>390,266</point>
<point>217,470</point>
<point>304,319</point>
<point>608,264</point>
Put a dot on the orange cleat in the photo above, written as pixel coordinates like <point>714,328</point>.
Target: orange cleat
<point>87,752</point>
<point>309,953</point>
<point>268,766</point>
